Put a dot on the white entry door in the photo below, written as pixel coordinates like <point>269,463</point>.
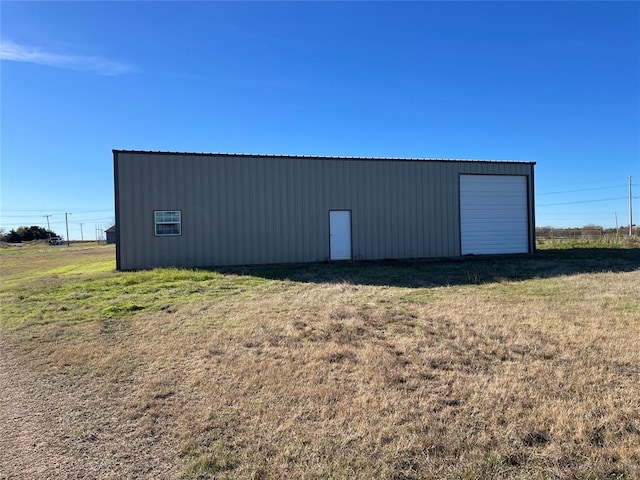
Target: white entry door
<point>340,233</point>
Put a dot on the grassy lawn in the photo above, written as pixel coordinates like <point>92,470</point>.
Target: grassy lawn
<point>488,367</point>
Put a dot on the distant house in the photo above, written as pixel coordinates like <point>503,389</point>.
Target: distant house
<point>200,210</point>
<point>111,234</point>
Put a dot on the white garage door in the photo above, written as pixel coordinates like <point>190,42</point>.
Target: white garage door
<point>494,214</point>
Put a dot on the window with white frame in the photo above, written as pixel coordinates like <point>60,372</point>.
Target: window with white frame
<point>167,222</point>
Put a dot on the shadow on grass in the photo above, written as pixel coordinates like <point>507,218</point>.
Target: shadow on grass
<point>459,271</point>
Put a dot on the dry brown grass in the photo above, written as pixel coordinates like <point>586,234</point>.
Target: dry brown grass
<point>534,378</point>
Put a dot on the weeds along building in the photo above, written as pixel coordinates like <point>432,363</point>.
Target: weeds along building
<point>201,209</point>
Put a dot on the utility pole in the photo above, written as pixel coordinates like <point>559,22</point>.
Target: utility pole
<point>66,222</point>
<point>615,214</point>
<point>48,226</point>
<point>81,235</point>
<point>630,209</point>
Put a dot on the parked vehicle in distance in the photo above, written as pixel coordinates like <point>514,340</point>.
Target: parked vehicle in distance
<point>55,241</point>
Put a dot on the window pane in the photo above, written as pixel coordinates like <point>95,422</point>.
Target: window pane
<point>167,229</point>
<point>167,222</point>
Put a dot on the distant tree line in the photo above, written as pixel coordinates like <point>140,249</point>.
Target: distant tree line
<point>27,234</point>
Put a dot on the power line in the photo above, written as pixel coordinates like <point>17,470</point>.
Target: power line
<point>2,215</point>
<point>591,182</point>
<point>55,212</point>
<point>581,201</point>
<point>28,217</point>
<point>581,190</point>
<point>606,214</point>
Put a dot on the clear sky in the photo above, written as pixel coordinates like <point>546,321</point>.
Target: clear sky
<point>557,83</point>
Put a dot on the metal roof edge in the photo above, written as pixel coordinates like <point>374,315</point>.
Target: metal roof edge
<point>328,157</point>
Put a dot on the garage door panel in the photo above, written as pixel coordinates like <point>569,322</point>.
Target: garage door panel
<point>493,214</point>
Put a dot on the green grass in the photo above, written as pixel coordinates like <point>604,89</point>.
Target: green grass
<point>19,264</point>
<point>81,293</point>
<point>83,286</point>
<point>607,241</point>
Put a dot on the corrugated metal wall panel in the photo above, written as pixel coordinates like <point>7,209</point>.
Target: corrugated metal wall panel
<point>250,210</point>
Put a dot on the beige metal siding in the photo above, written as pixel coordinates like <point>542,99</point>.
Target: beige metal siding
<point>259,210</point>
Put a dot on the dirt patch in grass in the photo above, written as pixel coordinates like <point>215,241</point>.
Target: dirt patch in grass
<point>247,375</point>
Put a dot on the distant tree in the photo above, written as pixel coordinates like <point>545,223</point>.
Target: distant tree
<point>26,234</point>
<point>12,237</point>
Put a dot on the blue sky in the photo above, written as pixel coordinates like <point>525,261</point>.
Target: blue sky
<point>556,83</point>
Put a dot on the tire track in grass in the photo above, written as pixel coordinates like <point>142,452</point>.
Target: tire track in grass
<point>28,447</point>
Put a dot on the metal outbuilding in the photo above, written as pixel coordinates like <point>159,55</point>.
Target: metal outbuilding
<point>111,234</point>
<point>214,209</point>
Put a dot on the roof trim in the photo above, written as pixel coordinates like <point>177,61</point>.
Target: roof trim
<point>318,157</point>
